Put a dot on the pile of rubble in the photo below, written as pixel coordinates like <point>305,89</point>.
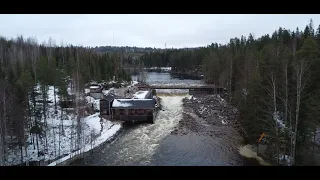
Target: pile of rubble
<point>208,115</point>
<point>212,106</point>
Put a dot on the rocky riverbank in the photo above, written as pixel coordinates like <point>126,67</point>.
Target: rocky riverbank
<point>211,116</point>
<point>204,114</point>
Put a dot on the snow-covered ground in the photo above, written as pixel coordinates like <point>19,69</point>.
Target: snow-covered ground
<point>105,131</point>
<point>95,102</point>
<point>61,133</point>
<point>123,92</point>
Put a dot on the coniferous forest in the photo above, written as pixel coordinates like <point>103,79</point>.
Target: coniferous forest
<point>272,79</point>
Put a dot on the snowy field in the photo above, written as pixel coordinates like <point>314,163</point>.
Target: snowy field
<point>61,133</point>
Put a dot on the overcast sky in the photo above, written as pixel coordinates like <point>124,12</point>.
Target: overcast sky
<point>189,30</point>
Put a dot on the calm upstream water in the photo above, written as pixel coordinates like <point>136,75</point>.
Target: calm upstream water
<point>165,78</point>
<point>152,144</point>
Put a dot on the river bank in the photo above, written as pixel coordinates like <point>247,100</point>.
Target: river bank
<point>211,116</point>
<point>107,133</point>
<point>200,112</point>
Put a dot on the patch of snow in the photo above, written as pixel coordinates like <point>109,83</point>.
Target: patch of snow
<point>166,68</point>
<point>221,100</point>
<point>121,103</point>
<point>86,90</point>
<point>284,159</point>
<point>224,122</point>
<point>245,92</point>
<point>70,92</point>
<point>135,82</point>
<point>279,121</point>
<point>95,102</point>
<point>317,140</point>
<point>95,87</point>
<point>105,92</point>
<point>162,68</point>
<point>93,121</point>
<point>140,94</point>
<point>93,82</point>
<point>51,94</point>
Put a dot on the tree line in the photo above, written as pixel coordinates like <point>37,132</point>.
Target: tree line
<point>178,59</point>
<point>273,80</point>
<point>126,49</point>
<point>132,49</point>
<point>25,66</point>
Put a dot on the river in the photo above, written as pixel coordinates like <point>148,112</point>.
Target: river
<point>152,144</point>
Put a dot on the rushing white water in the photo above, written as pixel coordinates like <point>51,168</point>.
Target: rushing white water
<point>145,139</point>
<point>138,143</point>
